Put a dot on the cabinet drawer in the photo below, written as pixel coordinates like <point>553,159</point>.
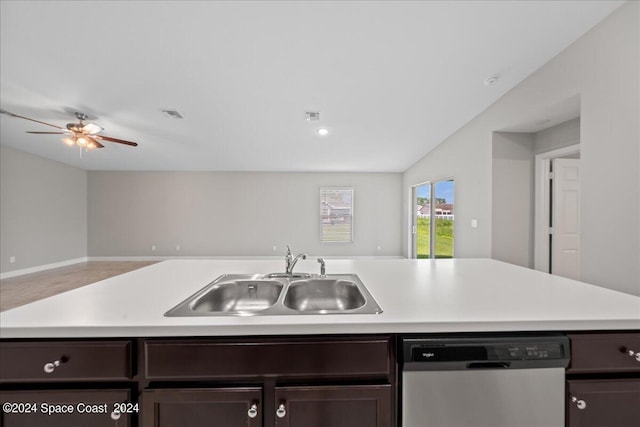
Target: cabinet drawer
<point>65,361</point>
<point>200,359</point>
<point>592,353</point>
<point>68,408</point>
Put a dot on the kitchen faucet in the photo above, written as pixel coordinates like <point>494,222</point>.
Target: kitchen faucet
<point>291,261</point>
<point>323,271</point>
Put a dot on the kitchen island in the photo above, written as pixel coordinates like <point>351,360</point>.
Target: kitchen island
<point>422,296</point>
<point>110,346</point>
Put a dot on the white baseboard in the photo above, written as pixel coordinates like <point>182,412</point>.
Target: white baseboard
<point>38,268</point>
<point>164,258</point>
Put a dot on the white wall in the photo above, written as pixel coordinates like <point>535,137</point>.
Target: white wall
<point>512,221</point>
<point>43,211</point>
<point>236,214</point>
<point>602,67</point>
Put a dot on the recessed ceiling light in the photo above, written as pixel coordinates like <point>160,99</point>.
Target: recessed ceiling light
<point>491,80</point>
<point>323,131</point>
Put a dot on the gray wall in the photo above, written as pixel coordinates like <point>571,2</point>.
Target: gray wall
<point>43,211</point>
<point>236,214</point>
<point>513,198</point>
<point>602,67</point>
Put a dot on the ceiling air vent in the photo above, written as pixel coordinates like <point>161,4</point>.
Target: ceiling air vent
<point>312,116</point>
<point>174,114</point>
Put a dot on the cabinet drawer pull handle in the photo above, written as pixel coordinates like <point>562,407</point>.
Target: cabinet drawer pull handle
<point>282,411</point>
<point>253,411</point>
<point>51,366</point>
<point>581,404</point>
<point>115,415</point>
<point>634,354</point>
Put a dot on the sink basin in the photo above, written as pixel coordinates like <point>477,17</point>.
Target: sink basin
<point>279,294</point>
<point>231,294</point>
<point>324,295</point>
<point>239,296</point>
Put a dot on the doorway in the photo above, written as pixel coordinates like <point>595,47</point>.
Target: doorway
<point>557,218</point>
<point>433,220</point>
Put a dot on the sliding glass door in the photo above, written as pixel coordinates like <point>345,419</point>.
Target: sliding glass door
<point>433,220</point>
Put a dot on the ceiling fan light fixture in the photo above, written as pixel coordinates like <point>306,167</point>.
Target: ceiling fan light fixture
<point>80,134</point>
<point>91,128</point>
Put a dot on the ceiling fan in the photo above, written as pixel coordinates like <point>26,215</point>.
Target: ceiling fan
<point>84,135</point>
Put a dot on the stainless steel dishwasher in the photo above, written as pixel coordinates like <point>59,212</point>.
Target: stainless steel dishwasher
<point>484,381</point>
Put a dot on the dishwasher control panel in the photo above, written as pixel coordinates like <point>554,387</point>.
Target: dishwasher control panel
<point>425,353</point>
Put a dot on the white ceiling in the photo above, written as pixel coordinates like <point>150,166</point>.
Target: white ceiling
<point>392,79</point>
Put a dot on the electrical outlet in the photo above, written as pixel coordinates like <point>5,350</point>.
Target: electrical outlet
<point>275,248</point>
<point>177,248</point>
<point>153,248</point>
<point>474,223</point>
<point>12,259</point>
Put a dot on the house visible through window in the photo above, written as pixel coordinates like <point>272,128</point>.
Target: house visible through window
<point>433,220</point>
<point>336,214</point>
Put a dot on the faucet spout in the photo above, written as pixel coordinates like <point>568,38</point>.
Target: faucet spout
<point>291,260</point>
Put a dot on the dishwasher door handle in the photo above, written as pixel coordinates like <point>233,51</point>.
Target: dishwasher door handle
<point>488,365</point>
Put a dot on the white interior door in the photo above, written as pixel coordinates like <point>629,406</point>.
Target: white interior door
<point>565,241</point>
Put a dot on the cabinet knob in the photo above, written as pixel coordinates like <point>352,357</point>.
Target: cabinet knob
<point>115,415</point>
<point>581,404</point>
<point>51,366</point>
<point>281,411</point>
<point>253,411</point>
<point>634,354</point>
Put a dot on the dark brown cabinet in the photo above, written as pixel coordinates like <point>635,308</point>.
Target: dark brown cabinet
<point>603,380</point>
<point>288,382</point>
<point>610,403</point>
<point>69,408</point>
<point>71,383</point>
<point>203,407</point>
<point>335,406</point>
<point>56,361</point>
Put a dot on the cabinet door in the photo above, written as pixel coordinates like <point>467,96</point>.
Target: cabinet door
<point>69,408</point>
<point>224,407</point>
<point>603,403</point>
<point>335,406</point>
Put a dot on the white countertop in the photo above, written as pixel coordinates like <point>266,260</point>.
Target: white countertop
<point>417,296</point>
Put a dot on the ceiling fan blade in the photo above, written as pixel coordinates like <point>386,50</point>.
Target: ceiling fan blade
<point>46,133</point>
<point>31,120</point>
<point>120,141</point>
<point>95,142</point>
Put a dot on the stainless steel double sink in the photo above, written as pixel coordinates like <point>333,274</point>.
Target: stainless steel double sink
<point>279,294</point>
